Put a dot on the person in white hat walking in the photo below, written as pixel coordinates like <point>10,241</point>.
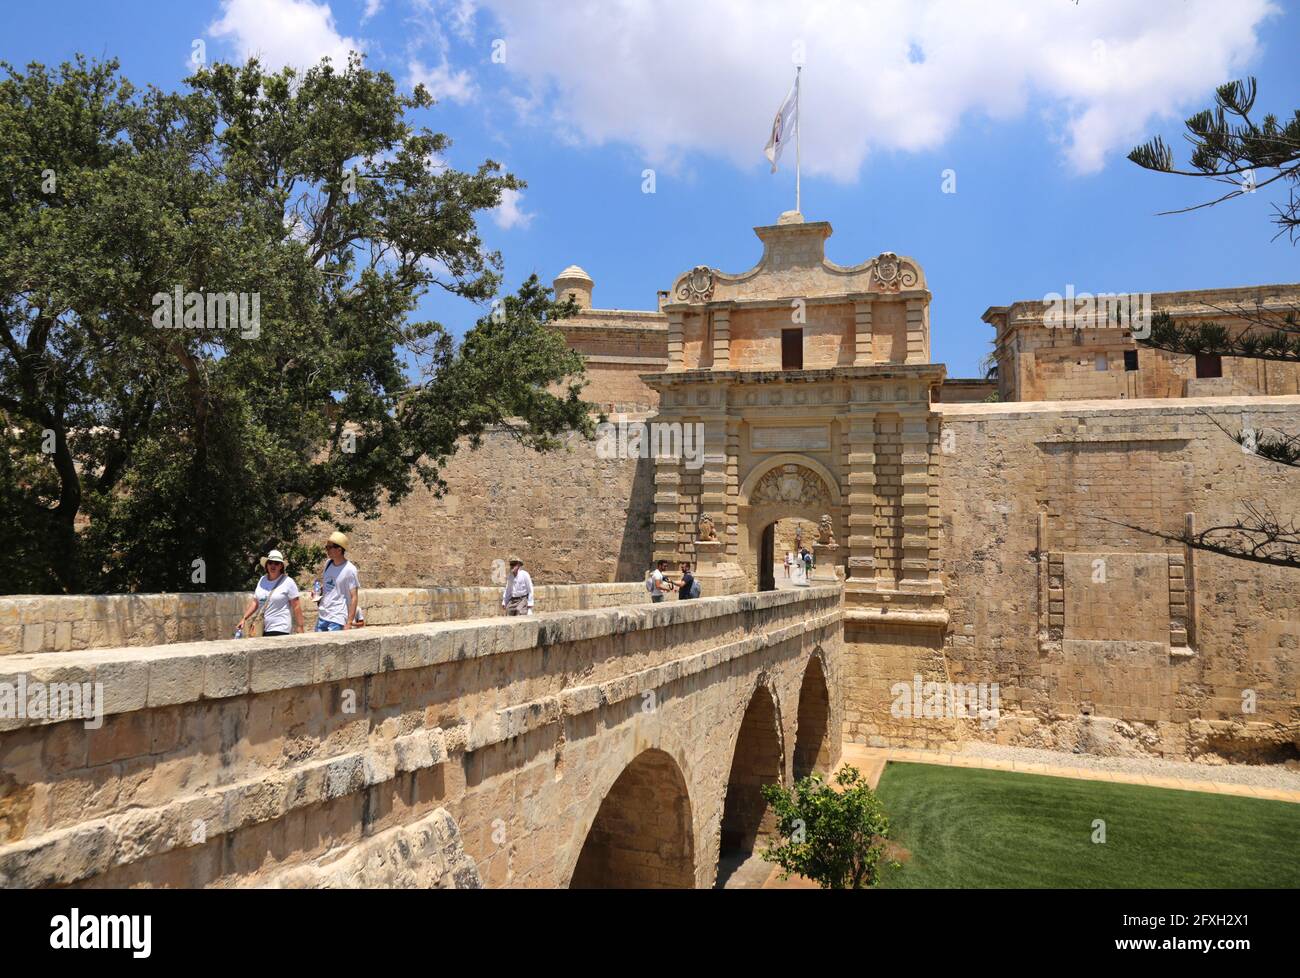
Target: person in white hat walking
<point>517,598</point>
<point>336,607</point>
<point>276,597</point>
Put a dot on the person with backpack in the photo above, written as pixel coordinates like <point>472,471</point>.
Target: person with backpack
<point>275,600</point>
<point>337,588</point>
<point>689,587</point>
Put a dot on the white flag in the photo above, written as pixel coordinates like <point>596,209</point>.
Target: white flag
<point>784,125</point>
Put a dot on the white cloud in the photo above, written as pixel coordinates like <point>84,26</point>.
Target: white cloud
<point>283,32</point>
<point>510,213</point>
<point>676,76</point>
<point>372,8</point>
<point>442,82</point>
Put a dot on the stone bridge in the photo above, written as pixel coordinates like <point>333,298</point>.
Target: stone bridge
<point>597,748</point>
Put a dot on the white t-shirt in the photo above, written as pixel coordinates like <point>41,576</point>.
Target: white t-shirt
<point>337,584</point>
<point>276,597</point>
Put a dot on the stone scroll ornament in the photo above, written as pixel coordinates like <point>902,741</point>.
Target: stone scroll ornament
<point>791,485</point>
<point>893,273</point>
<point>697,286</point>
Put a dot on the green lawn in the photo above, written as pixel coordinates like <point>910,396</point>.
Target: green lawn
<point>973,828</point>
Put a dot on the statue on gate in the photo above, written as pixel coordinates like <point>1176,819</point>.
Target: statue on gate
<point>825,531</point>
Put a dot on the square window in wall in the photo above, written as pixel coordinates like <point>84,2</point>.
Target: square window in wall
<point>791,349</point>
<point>1130,359</point>
<point>1100,362</point>
<point>1209,365</point>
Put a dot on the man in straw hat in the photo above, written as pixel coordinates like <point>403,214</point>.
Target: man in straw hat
<point>517,598</point>
<point>276,597</point>
<point>336,607</point>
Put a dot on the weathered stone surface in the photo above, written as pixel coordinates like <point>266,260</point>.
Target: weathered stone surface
<point>269,773</point>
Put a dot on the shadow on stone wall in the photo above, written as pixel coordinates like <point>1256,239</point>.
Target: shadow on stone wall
<point>637,547</point>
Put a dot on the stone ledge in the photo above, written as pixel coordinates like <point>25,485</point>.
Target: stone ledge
<point>1082,409</point>
<point>135,678</point>
<point>64,623</point>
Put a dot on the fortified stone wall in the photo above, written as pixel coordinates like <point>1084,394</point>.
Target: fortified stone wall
<point>1041,359</point>
<point>573,518</point>
<point>59,623</point>
<point>1103,638</point>
<point>439,754</point>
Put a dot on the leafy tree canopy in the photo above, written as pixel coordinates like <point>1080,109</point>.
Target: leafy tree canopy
<point>134,448</point>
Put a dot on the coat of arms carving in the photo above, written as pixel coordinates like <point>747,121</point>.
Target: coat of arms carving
<point>697,286</point>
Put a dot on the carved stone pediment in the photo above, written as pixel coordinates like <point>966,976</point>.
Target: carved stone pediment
<point>791,485</point>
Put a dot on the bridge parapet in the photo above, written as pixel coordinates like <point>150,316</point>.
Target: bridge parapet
<point>311,760</point>
<point>62,623</point>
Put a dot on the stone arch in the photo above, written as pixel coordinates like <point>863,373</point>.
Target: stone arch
<point>760,506</point>
<point>643,834</point>
<point>757,758</point>
<point>812,740</point>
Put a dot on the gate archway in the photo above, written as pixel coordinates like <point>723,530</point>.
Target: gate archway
<point>783,488</point>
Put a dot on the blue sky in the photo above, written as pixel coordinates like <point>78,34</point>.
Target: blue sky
<point>1032,105</point>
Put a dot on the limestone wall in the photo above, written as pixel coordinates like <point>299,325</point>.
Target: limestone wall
<point>490,746</point>
<point>1104,638</point>
<point>573,517</point>
<point>59,623</point>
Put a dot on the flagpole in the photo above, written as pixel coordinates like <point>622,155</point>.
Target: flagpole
<point>798,135</point>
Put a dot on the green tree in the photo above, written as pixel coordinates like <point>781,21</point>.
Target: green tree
<point>1229,147</point>
<point>835,836</point>
<point>136,453</point>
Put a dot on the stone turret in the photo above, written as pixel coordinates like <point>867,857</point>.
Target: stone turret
<point>573,281</point>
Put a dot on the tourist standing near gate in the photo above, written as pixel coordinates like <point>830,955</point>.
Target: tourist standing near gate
<point>337,588</point>
<point>689,587</point>
<point>658,584</point>
<point>276,598</point>
<point>517,598</point>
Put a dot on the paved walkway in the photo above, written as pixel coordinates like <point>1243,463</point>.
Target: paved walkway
<point>872,760</point>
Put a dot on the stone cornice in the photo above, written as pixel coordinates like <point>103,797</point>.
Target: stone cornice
<point>934,372</point>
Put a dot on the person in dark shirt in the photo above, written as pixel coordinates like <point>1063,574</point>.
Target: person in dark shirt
<point>688,588</point>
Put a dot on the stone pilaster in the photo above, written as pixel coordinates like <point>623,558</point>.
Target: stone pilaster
<point>917,346</point>
<point>732,537</point>
<point>914,562</point>
<point>861,510</point>
<point>862,353</point>
<point>676,332</point>
<point>722,338</point>
<point>713,477</point>
<point>667,499</point>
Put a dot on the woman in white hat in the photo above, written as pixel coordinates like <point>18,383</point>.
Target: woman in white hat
<point>277,596</point>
